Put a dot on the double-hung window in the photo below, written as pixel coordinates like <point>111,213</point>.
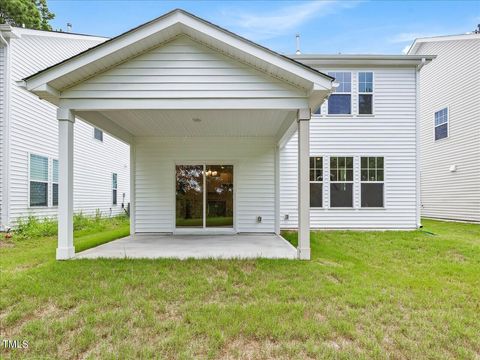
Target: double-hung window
<point>55,182</point>
<point>340,102</point>
<point>341,182</point>
<point>372,180</point>
<point>441,124</point>
<point>365,93</point>
<point>114,188</point>
<point>38,180</point>
<point>316,181</point>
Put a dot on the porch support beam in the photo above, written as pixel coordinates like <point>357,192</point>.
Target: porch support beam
<point>303,119</point>
<point>66,120</point>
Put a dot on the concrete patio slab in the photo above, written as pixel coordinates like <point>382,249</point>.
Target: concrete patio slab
<point>154,246</point>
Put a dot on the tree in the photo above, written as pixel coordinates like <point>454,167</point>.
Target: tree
<point>34,14</point>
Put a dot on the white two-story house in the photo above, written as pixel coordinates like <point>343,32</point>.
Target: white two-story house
<point>227,136</point>
<point>450,126</point>
<point>29,136</point>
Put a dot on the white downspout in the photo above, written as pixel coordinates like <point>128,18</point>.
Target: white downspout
<point>418,157</point>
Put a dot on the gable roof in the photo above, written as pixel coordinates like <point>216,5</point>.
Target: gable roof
<point>161,30</point>
<point>459,37</point>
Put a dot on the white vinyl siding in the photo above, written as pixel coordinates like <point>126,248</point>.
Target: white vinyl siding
<point>2,124</point>
<point>34,129</point>
<point>389,133</point>
<point>182,69</point>
<point>451,80</point>
<point>254,178</point>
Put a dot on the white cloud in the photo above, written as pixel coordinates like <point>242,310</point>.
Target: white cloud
<point>409,36</point>
<point>281,21</point>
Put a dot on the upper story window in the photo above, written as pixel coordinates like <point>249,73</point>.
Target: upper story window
<point>38,174</point>
<point>340,102</point>
<point>98,134</point>
<point>441,124</point>
<point>365,92</point>
<point>341,182</point>
<point>372,179</point>
<point>316,181</point>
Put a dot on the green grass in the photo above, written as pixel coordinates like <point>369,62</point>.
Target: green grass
<point>400,295</point>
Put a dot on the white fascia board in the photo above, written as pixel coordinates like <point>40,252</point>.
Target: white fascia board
<point>416,44</point>
<point>175,18</point>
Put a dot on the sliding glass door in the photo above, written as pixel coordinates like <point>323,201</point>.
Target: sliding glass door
<point>204,196</point>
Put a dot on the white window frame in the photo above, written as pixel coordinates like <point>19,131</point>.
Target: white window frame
<point>330,182</point>
<point>365,93</point>
<point>341,93</point>
<point>29,154</point>
<point>318,181</point>
<point>114,188</point>
<point>94,138</point>
<point>448,123</point>
<point>373,182</point>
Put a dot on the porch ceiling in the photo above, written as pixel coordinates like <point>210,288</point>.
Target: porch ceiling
<point>190,123</point>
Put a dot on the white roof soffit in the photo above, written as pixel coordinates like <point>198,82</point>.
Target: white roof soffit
<point>363,60</point>
<point>51,81</point>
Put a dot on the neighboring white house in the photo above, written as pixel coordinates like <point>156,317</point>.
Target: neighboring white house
<point>450,126</point>
<point>29,136</point>
<point>222,135</point>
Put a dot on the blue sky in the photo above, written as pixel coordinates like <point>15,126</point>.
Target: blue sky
<point>335,26</point>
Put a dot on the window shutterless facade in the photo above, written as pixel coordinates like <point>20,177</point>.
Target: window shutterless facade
<point>98,134</point>
<point>38,180</point>
<point>316,181</point>
<point>114,188</point>
<point>55,182</point>
<point>441,124</point>
<point>341,182</point>
<point>372,181</point>
<point>365,93</point>
<point>340,102</point>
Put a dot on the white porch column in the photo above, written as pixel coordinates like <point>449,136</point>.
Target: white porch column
<point>132,188</point>
<point>66,120</point>
<point>303,184</point>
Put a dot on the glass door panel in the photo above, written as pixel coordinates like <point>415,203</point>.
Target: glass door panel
<point>189,196</point>
<point>219,195</point>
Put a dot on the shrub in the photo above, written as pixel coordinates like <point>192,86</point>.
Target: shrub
<point>33,227</point>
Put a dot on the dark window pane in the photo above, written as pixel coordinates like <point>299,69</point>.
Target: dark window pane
<point>333,162</point>
<point>379,162</point>
<point>319,175</point>
<point>364,162</point>
<point>38,194</point>
<point>333,175</point>
<point>312,163</point>
<point>318,163</point>
<point>379,175</point>
<point>371,175</point>
<point>341,195</point>
<point>364,174</point>
<point>372,195</point>
<point>371,162</point>
<point>349,175</point>
<point>364,104</point>
<point>441,131</point>
<point>312,175</point>
<point>54,194</point>
<point>316,194</point>
<point>339,104</point>
<point>114,202</point>
<point>98,134</point>
<point>341,162</point>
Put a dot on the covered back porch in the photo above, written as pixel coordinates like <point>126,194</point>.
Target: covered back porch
<point>191,99</point>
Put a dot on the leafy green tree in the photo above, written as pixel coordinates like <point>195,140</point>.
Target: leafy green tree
<point>34,14</point>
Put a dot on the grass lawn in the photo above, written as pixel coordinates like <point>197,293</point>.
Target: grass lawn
<point>399,295</point>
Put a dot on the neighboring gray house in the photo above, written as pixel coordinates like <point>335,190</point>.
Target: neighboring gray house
<point>450,126</point>
<point>230,137</point>
<point>29,136</point>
